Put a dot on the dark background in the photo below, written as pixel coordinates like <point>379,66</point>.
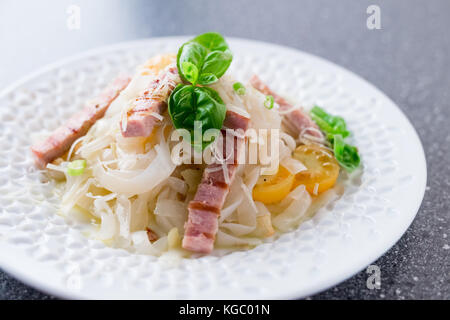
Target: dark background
<point>408,59</point>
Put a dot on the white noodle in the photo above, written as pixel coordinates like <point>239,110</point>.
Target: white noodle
<point>69,155</point>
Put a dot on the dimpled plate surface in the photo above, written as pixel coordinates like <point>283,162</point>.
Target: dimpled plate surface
<point>50,253</point>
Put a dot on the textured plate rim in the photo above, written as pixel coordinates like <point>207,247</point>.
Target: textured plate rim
<point>323,284</point>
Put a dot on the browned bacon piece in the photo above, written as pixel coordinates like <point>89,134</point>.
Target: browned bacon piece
<point>152,236</point>
<point>297,119</point>
<point>143,115</point>
<point>204,209</point>
<point>78,125</point>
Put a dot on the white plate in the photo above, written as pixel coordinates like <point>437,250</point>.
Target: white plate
<point>51,254</point>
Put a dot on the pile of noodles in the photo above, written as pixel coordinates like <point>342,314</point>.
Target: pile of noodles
<point>132,184</point>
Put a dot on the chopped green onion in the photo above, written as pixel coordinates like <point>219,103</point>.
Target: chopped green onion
<point>335,129</point>
<point>239,88</point>
<point>76,167</point>
<point>323,125</point>
<point>345,154</point>
<point>268,103</point>
<point>328,123</point>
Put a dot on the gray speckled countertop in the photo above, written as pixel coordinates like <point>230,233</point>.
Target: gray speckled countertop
<point>408,59</point>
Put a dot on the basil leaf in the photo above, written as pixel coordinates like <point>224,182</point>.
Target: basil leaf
<point>182,107</point>
<point>203,57</point>
<point>190,71</point>
<point>210,108</point>
<point>217,63</point>
<point>189,103</point>
<point>207,78</point>
<point>212,41</point>
<point>189,54</point>
<point>347,155</point>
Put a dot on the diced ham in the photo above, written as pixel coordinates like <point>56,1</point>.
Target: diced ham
<point>152,236</point>
<point>145,112</point>
<point>78,125</point>
<point>297,120</point>
<point>204,209</point>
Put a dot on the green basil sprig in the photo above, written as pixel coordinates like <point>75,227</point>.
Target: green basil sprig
<point>204,59</point>
<point>200,61</point>
<point>335,129</point>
